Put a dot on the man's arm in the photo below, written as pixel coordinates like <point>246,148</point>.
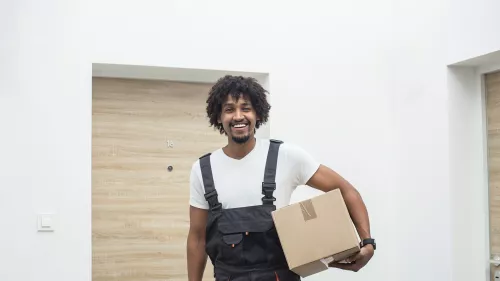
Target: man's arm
<point>196,256</point>
<point>319,176</point>
<point>325,179</point>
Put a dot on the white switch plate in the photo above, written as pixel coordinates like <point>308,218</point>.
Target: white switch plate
<point>45,223</point>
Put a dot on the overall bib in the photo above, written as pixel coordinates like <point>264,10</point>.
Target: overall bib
<point>242,243</point>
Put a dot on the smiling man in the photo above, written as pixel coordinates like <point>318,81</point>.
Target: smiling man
<point>234,189</point>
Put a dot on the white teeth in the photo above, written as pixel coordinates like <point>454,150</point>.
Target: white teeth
<point>239,125</point>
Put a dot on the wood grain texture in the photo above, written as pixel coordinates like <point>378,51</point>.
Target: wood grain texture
<point>140,209</point>
<point>492,85</point>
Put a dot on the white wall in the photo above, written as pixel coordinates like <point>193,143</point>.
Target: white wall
<point>473,28</point>
<point>368,77</point>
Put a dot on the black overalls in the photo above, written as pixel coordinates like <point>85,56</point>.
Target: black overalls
<point>242,243</point>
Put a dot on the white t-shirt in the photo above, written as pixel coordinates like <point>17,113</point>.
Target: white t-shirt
<point>239,182</point>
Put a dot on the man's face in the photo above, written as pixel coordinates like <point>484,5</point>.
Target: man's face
<point>238,118</point>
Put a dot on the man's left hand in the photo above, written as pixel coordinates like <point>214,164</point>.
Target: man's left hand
<point>356,262</point>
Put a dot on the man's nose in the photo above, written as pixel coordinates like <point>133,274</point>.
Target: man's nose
<point>238,115</point>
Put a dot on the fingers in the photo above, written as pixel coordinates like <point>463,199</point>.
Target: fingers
<point>353,263</point>
<point>354,258</point>
<point>345,266</point>
<point>351,259</point>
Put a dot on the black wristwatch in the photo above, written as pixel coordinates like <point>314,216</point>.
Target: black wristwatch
<point>368,241</point>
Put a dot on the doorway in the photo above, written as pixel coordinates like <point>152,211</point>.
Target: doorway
<point>146,134</point>
<point>492,94</point>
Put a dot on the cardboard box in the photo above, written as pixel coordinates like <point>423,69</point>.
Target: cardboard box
<point>315,232</point>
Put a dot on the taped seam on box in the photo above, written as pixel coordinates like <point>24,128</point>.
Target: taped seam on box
<point>308,211</point>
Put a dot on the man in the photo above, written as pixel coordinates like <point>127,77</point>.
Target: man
<point>235,188</point>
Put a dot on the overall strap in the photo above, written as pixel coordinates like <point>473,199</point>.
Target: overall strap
<point>208,182</point>
<point>269,183</point>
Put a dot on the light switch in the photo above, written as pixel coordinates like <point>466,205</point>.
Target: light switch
<point>45,222</point>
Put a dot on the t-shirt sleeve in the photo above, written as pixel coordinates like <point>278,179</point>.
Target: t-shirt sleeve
<point>304,164</point>
<point>196,189</point>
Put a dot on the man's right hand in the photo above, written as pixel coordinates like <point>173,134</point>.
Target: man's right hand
<point>196,256</point>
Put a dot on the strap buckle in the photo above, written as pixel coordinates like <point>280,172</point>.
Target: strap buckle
<point>266,200</point>
<point>213,202</point>
<point>217,207</point>
<point>210,194</point>
<point>267,190</point>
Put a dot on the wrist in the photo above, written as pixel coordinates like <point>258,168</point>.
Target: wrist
<point>368,242</point>
<point>369,247</point>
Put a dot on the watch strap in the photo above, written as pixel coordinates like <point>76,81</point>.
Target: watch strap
<point>367,241</point>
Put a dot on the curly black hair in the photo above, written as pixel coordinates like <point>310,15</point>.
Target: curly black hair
<point>236,86</point>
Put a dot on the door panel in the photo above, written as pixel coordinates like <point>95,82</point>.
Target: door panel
<point>492,85</point>
<point>140,208</point>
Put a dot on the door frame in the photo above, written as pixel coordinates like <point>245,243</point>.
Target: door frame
<point>468,167</point>
<point>482,71</point>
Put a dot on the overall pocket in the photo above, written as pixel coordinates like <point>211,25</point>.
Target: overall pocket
<point>244,239</point>
<point>231,249</point>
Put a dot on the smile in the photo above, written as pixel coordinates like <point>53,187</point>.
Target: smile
<point>239,126</point>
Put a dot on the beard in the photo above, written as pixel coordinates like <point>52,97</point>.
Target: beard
<point>241,140</point>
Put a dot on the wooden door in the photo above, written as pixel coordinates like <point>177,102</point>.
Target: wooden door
<point>140,208</point>
<point>492,85</point>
